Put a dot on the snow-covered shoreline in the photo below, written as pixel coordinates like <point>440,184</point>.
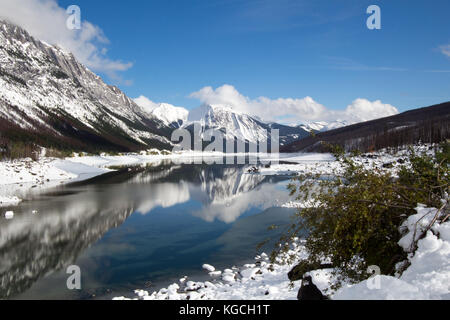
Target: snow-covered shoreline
<point>327,164</point>
<point>19,177</point>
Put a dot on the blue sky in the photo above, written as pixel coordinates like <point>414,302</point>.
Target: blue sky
<point>277,49</point>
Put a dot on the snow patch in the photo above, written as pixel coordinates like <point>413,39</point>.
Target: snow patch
<point>9,201</point>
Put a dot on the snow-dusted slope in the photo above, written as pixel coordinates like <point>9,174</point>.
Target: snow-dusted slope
<point>322,126</point>
<point>234,124</point>
<point>170,115</point>
<point>45,90</point>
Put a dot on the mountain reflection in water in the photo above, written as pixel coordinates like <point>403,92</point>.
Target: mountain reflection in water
<point>126,228</point>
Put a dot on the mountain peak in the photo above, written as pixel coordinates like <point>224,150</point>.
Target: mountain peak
<point>171,115</point>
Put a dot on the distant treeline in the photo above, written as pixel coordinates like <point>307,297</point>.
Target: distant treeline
<point>426,125</point>
<point>428,131</point>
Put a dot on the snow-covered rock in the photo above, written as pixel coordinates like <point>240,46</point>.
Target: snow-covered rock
<point>9,215</point>
<point>209,267</point>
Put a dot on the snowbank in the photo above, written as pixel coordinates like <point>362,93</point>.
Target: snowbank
<point>29,171</point>
<point>427,277</point>
<point>19,177</point>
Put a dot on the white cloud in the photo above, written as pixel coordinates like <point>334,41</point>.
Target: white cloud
<point>292,110</point>
<point>445,50</point>
<point>146,104</point>
<point>364,110</point>
<point>225,94</point>
<point>46,21</point>
<point>262,107</point>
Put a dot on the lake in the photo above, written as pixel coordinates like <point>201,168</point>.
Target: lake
<point>138,228</point>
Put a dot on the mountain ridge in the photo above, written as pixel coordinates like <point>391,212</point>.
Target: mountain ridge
<point>50,99</point>
<point>322,126</point>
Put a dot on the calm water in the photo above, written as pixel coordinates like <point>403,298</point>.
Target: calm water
<point>138,229</point>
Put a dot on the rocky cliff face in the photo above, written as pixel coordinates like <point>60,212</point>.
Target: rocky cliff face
<point>48,97</point>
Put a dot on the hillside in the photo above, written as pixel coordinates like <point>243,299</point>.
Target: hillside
<point>427,125</point>
<point>48,98</point>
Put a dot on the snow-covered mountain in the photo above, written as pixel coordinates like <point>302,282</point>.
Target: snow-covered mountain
<point>170,115</point>
<point>48,97</point>
<point>240,126</point>
<point>230,122</point>
<point>322,126</point>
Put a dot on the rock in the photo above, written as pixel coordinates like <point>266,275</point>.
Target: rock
<point>208,267</point>
<point>215,274</point>
<point>9,215</point>
<point>388,165</point>
<point>309,291</point>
